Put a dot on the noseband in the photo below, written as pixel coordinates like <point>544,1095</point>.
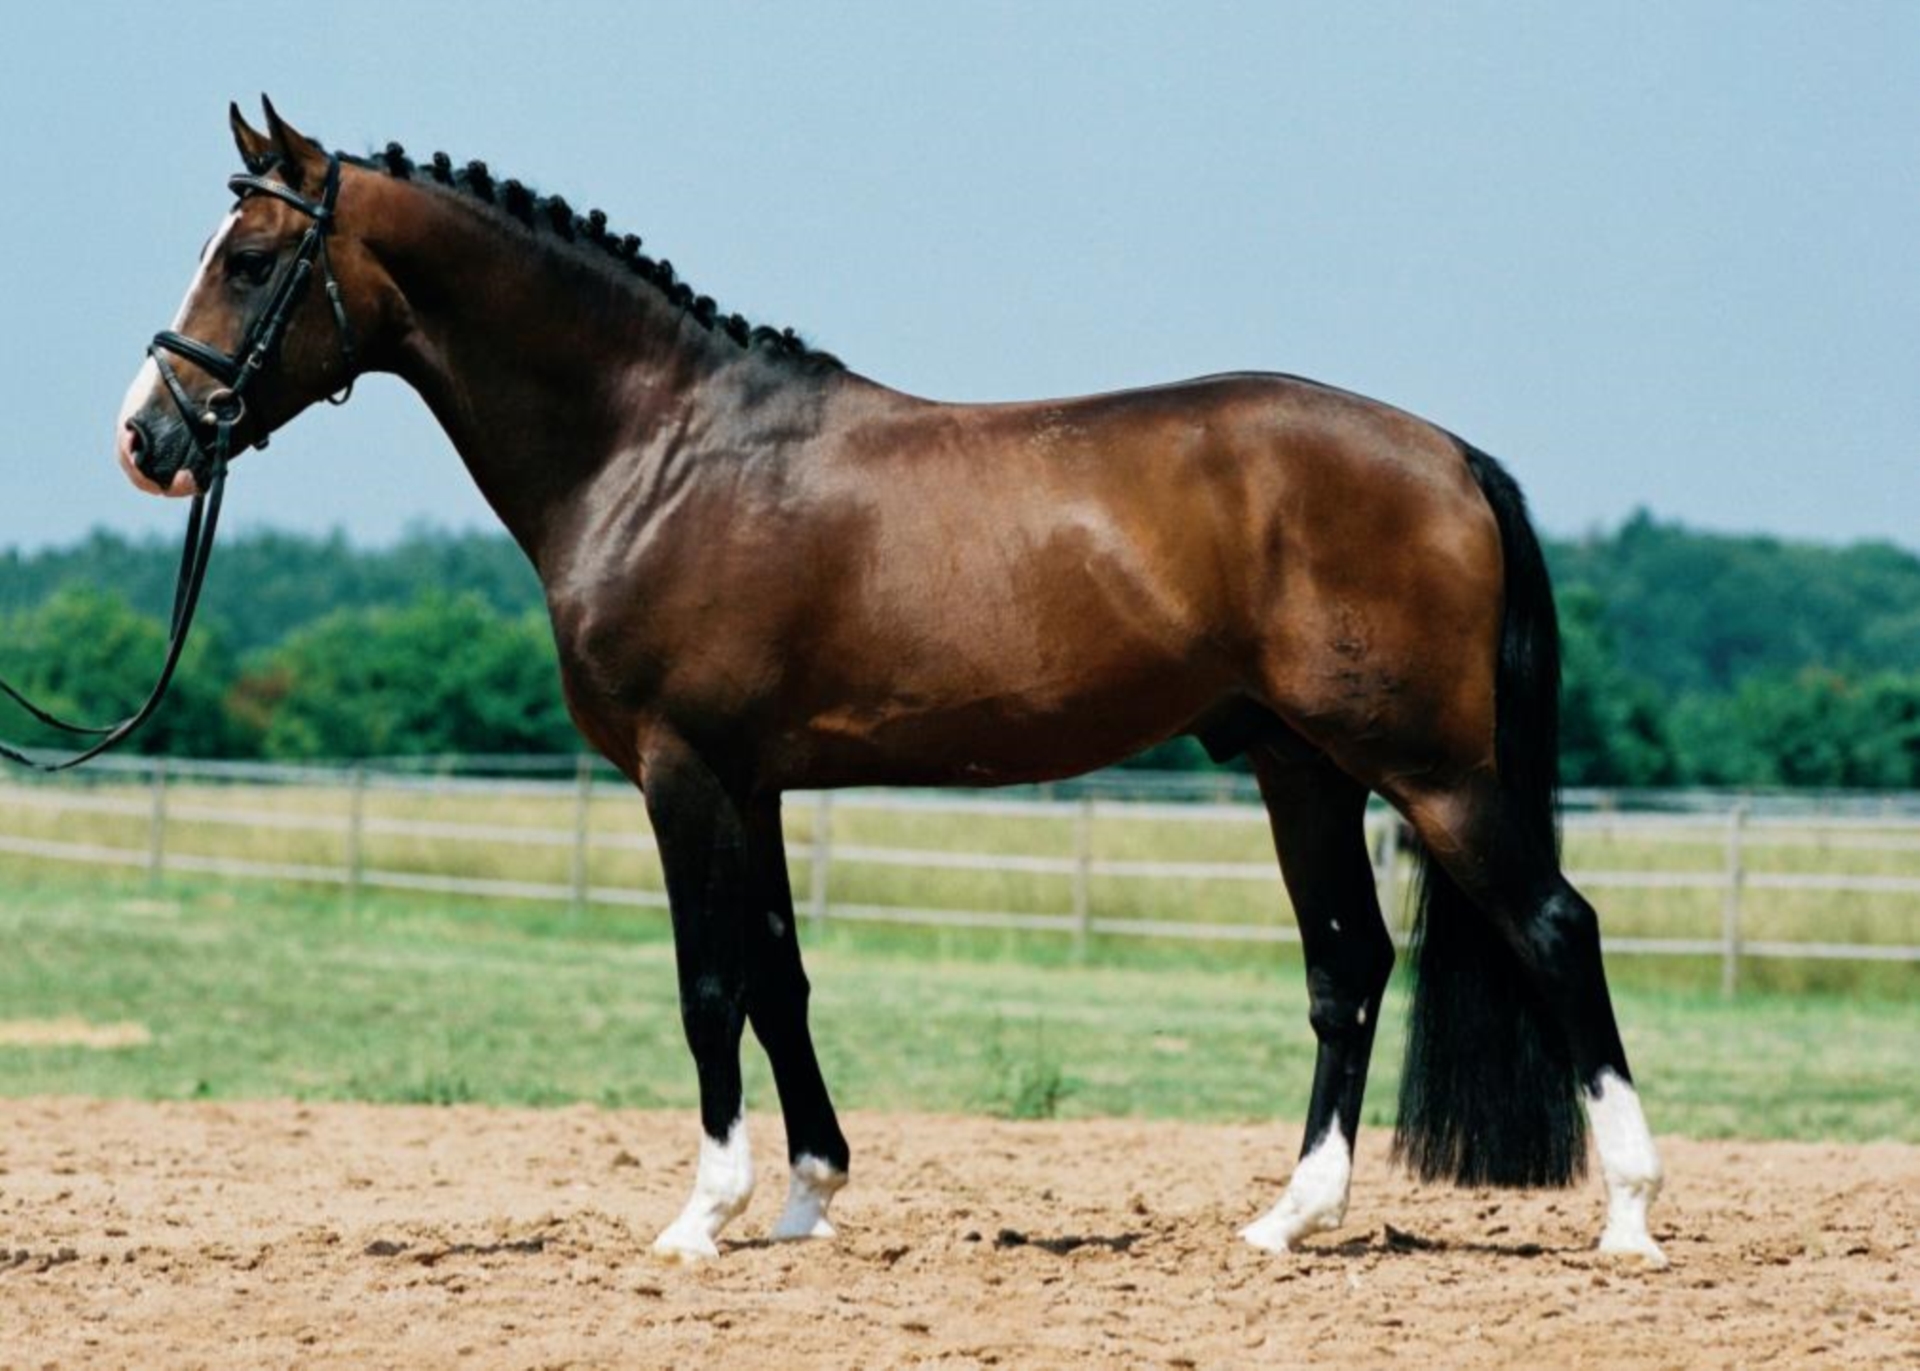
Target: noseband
<point>211,423</point>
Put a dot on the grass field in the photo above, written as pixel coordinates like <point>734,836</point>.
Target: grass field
<point>247,990</point>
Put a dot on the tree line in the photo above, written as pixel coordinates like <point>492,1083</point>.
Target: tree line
<point>1689,657</point>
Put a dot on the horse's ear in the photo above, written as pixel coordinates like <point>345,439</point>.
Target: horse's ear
<point>256,149</point>
<point>302,161</point>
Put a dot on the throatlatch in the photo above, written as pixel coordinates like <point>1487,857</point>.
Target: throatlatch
<point>211,424</point>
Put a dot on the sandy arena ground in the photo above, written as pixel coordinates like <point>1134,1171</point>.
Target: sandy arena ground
<point>280,1234</point>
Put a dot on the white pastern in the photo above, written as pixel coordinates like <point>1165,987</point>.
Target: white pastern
<point>814,1185</point>
<point>1316,1198</point>
<point>721,1189</point>
<point>1631,1167</point>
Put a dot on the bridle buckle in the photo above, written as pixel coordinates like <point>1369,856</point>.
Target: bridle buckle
<point>224,406</point>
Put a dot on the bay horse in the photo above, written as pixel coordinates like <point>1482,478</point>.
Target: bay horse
<point>766,572</point>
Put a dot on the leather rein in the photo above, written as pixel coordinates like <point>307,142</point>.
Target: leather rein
<point>211,423</point>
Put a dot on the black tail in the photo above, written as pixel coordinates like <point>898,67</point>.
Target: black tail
<point>1488,1094</point>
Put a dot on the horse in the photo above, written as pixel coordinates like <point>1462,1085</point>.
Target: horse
<point>766,572</point>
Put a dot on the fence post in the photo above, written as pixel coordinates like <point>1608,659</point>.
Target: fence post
<point>1082,876</point>
<point>582,804</point>
<point>157,823</point>
<point>821,857</point>
<point>1730,906</point>
<point>356,830</point>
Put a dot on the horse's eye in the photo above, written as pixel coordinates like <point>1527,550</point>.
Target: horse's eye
<point>252,267</point>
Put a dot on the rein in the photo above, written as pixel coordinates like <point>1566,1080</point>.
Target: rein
<point>211,423</point>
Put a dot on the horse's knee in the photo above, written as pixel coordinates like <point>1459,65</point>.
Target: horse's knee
<point>712,1010</point>
<point>1343,993</point>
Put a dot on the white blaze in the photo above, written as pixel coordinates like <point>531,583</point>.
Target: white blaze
<point>146,381</point>
<point>214,244</point>
<point>139,394</point>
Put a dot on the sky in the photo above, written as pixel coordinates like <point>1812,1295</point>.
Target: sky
<point>1650,255</point>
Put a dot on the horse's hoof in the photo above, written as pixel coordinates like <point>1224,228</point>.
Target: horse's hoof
<point>685,1249</point>
<point>1283,1226</point>
<point>801,1228</point>
<point>1636,1246</point>
<point>1266,1237</point>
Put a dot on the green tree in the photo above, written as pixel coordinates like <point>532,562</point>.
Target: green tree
<point>1812,728</point>
<point>89,657</point>
<point>1692,611</point>
<point>1888,752</point>
<point>263,585</point>
<point>1612,725</point>
<point>442,674</point>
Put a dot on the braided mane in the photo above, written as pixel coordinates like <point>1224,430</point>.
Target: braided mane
<point>551,214</point>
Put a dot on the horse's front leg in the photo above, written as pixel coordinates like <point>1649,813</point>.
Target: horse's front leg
<point>777,993</point>
<point>701,832</point>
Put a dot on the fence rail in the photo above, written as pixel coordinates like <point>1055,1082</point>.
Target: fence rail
<point>335,806</point>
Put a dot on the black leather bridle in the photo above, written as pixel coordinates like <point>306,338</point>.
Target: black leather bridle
<point>222,410</point>
<point>211,423</point>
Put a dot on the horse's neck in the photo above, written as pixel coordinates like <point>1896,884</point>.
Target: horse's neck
<point>540,369</point>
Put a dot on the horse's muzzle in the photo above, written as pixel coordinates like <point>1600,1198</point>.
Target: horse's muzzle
<point>139,460</point>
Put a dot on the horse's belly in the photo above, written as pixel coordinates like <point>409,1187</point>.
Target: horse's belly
<point>1000,733</point>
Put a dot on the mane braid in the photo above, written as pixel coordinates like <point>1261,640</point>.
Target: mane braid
<point>589,233</point>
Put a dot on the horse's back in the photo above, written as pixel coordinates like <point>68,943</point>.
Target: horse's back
<point>1207,502</point>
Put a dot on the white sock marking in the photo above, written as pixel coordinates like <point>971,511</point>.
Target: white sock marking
<point>1631,1167</point>
<point>721,1188</point>
<point>1316,1198</point>
<point>815,1183</point>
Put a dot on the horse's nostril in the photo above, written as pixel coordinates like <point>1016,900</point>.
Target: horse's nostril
<point>136,448</point>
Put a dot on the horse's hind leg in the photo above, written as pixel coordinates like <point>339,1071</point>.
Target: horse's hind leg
<point>1515,878</point>
<point>777,993</point>
<point>1318,817</point>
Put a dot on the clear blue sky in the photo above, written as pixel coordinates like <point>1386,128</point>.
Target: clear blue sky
<point>1662,255</point>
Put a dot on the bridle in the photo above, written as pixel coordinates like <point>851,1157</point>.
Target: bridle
<point>211,423</point>
<point>223,410</point>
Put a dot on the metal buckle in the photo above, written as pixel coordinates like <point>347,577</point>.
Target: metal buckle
<point>223,406</point>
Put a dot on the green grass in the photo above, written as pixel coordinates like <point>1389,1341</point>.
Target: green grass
<point>251,990</point>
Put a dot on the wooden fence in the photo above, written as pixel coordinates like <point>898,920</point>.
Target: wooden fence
<point>334,801</point>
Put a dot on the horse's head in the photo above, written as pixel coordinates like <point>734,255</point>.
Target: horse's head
<point>267,326</point>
